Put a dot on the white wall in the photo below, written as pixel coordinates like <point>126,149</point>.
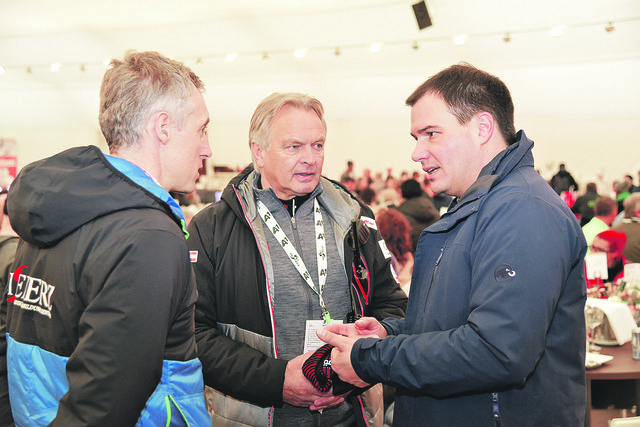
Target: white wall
<point>574,116</point>
<point>598,150</point>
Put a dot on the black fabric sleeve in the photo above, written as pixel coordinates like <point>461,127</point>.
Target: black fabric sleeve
<point>231,367</point>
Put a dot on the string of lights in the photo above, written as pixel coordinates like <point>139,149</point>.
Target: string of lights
<point>414,44</point>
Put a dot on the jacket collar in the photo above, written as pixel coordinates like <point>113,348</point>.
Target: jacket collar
<point>498,169</point>
<point>337,203</point>
<point>146,181</point>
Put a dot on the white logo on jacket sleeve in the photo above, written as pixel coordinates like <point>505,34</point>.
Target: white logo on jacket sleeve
<point>371,223</point>
<point>394,274</point>
<point>193,256</point>
<point>385,250</point>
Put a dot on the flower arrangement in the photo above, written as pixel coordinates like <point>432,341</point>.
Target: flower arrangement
<point>627,292</point>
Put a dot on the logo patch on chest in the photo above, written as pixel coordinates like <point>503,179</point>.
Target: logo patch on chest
<point>504,273</point>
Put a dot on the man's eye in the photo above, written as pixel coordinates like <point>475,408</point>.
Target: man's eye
<point>426,136</point>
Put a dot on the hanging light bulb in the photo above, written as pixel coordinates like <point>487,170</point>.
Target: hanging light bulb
<point>610,27</point>
<point>337,52</point>
<point>460,39</point>
<point>507,38</point>
<point>557,31</point>
<point>375,47</point>
<point>231,57</point>
<point>300,53</point>
<point>2,69</point>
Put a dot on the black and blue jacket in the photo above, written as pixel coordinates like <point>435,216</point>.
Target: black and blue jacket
<point>100,303</point>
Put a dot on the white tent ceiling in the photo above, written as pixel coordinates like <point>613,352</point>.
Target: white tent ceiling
<point>588,72</point>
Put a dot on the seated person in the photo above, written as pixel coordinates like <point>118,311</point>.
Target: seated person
<point>396,231</point>
<point>605,212</point>
<point>612,243</point>
<point>630,226</point>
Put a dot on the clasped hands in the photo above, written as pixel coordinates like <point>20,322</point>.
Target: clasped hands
<point>299,391</point>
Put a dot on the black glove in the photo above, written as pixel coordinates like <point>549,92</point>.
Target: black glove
<point>317,369</point>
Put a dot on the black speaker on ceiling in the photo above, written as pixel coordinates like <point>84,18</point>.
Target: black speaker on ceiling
<point>422,15</point>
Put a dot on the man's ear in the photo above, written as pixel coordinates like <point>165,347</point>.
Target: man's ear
<point>257,150</point>
<point>485,126</point>
<point>161,126</point>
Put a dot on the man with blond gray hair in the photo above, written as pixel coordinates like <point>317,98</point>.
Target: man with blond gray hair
<point>100,303</point>
<point>284,251</point>
<point>630,225</point>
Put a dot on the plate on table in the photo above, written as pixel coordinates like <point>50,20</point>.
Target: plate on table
<point>605,342</point>
<point>594,360</point>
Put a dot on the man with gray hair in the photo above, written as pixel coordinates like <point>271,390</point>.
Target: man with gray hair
<point>100,302</point>
<point>283,252</point>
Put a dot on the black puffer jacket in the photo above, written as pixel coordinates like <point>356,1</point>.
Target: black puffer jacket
<point>234,329</point>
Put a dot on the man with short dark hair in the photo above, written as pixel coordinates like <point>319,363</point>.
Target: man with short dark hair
<point>101,300</point>
<point>495,330</point>
<point>605,212</point>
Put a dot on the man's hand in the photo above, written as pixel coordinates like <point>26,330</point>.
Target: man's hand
<point>298,390</point>
<point>341,353</point>
<point>367,327</point>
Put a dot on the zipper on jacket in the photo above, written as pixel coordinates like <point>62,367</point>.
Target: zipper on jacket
<point>435,270</point>
<point>496,409</point>
<point>438,260</point>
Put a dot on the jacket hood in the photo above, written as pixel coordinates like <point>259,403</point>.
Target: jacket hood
<point>51,198</point>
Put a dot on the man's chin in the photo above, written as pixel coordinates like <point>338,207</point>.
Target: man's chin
<point>307,181</point>
<point>183,190</point>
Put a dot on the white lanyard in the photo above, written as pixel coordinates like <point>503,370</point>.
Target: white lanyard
<point>296,259</point>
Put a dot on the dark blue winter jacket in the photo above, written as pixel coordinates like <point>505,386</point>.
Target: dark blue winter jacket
<point>495,332</point>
